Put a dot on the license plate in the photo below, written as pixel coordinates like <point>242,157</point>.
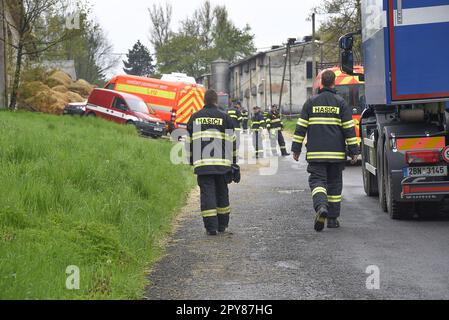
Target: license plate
<point>438,171</point>
<point>158,129</point>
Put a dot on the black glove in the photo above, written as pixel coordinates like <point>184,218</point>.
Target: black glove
<point>236,174</point>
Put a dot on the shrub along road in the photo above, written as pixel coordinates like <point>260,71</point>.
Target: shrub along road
<point>273,252</point>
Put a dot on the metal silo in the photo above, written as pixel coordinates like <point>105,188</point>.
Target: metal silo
<point>220,76</point>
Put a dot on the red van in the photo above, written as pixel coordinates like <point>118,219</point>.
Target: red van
<point>125,108</point>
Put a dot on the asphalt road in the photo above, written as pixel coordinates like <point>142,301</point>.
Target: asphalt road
<point>272,251</point>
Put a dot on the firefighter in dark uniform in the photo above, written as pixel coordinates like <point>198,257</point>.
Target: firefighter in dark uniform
<point>245,119</point>
<point>237,118</point>
<point>265,116</point>
<point>211,145</point>
<point>327,121</point>
<point>275,127</point>
<point>257,126</point>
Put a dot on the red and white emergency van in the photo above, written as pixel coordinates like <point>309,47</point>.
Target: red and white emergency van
<point>125,108</point>
<point>174,102</point>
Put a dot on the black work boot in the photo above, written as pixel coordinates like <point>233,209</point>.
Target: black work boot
<point>320,219</point>
<point>285,154</point>
<point>223,222</point>
<point>212,233</point>
<point>333,223</point>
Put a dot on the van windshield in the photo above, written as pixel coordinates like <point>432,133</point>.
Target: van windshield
<point>354,95</point>
<point>137,105</point>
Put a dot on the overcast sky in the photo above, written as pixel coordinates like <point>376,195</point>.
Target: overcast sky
<point>272,22</point>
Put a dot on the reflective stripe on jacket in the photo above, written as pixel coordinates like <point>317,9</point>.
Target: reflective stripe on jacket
<point>257,122</point>
<point>274,121</point>
<point>236,117</point>
<point>327,122</point>
<point>211,142</point>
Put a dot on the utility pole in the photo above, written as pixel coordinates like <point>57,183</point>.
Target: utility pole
<point>283,76</point>
<point>271,82</point>
<point>2,56</point>
<point>250,87</point>
<point>314,71</point>
<point>290,42</point>
<point>290,80</point>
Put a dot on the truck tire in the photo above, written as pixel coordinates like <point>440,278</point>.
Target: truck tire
<point>369,181</point>
<point>397,210</point>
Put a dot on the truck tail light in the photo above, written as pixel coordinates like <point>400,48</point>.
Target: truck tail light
<point>173,116</point>
<point>422,157</point>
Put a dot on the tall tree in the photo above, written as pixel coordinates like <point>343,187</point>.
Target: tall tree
<point>207,35</point>
<point>88,46</point>
<point>30,14</point>
<point>231,43</point>
<point>181,54</point>
<point>3,58</point>
<point>140,62</point>
<point>344,16</point>
<point>161,17</point>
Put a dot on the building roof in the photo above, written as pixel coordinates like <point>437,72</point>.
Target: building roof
<point>263,53</point>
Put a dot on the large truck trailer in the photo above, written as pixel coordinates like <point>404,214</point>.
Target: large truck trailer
<point>404,128</point>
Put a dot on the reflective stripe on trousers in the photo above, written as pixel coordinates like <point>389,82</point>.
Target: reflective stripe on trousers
<point>326,183</point>
<point>215,206</point>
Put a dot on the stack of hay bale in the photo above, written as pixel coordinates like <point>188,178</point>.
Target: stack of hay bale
<point>52,92</point>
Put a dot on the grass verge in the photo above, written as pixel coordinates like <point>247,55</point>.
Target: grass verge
<point>85,193</point>
<point>290,125</point>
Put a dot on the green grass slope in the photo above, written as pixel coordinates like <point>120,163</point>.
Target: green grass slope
<point>290,125</point>
<point>87,193</point>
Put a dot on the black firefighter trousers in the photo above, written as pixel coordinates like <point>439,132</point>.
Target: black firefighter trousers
<point>258,143</point>
<point>215,206</point>
<point>276,138</point>
<point>326,183</point>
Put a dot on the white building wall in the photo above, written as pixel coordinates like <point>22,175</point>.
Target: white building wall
<point>256,74</point>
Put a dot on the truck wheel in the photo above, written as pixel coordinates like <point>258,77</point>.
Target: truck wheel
<point>369,181</point>
<point>395,209</point>
<point>91,115</point>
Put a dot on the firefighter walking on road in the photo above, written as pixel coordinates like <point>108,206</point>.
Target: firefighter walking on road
<point>211,145</point>
<point>245,119</point>
<point>257,126</point>
<point>275,127</point>
<point>327,122</point>
<point>236,116</point>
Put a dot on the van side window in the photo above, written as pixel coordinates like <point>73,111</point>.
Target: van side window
<point>110,86</point>
<point>119,104</point>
